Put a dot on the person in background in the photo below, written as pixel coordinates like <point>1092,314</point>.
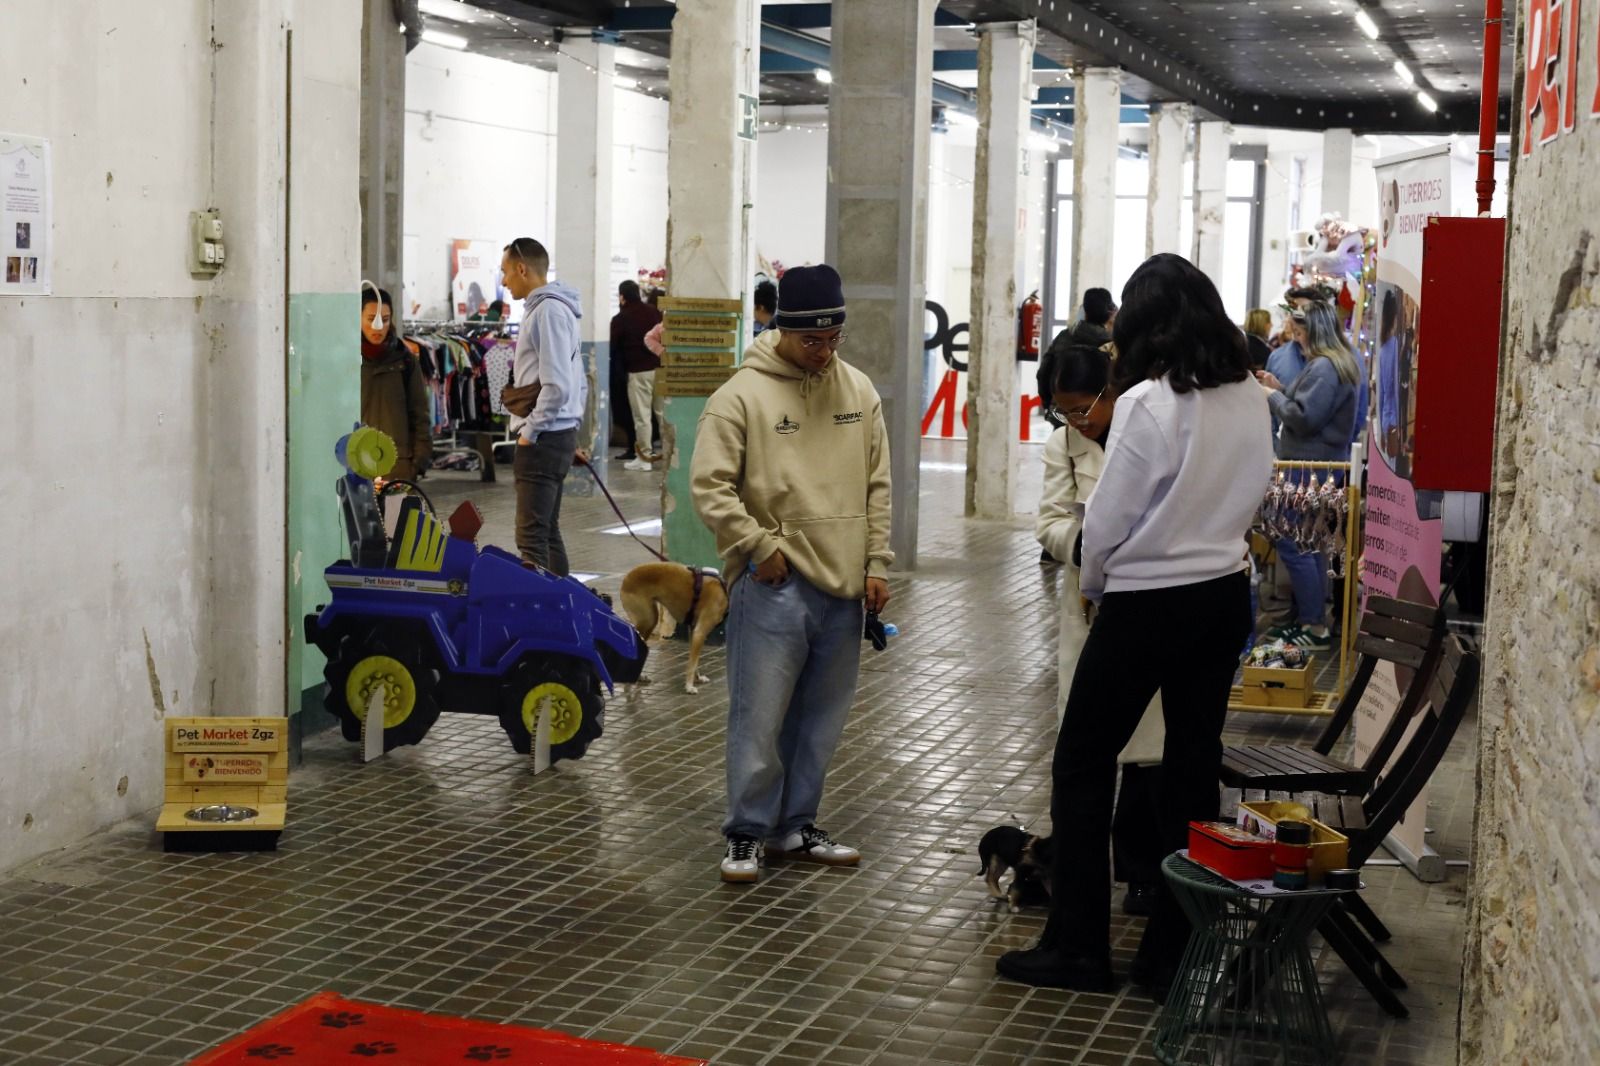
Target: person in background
<point>1187,461</point>
<point>1318,414</point>
<point>1092,330</point>
<point>766,304</point>
<point>545,423</point>
<point>1074,456</point>
<point>1257,330</point>
<point>495,313</point>
<point>1389,374</point>
<point>791,475</point>
<point>629,327</point>
<point>394,396</point>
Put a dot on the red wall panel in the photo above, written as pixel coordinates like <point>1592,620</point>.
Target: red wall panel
<point>1458,354</point>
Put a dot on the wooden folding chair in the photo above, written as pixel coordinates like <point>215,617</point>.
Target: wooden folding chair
<point>1396,631</point>
<point>1450,693</point>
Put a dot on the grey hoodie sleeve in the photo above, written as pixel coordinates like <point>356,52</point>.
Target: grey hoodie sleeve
<point>1307,405</point>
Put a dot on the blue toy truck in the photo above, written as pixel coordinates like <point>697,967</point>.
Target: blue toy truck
<point>438,624</point>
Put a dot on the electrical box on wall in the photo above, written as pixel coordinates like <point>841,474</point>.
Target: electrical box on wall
<point>1458,363</point>
<point>207,252</point>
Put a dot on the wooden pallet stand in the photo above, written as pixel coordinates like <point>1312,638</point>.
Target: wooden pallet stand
<point>225,762</point>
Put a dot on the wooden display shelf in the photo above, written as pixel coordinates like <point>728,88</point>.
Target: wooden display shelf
<point>1321,704</point>
<point>241,762</point>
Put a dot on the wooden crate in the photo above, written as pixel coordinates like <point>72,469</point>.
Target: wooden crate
<point>1330,849</point>
<point>1278,686</point>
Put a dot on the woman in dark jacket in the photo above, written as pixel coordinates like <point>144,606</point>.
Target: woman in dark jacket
<point>1318,414</point>
<point>394,396</point>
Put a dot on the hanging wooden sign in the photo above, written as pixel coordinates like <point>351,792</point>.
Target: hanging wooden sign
<point>699,303</point>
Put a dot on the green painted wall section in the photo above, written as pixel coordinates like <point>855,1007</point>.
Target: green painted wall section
<point>684,538</point>
<point>324,402</point>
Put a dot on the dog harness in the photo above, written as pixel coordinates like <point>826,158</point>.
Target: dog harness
<point>700,576</point>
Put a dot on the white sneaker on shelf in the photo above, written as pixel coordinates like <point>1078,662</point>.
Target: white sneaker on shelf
<point>741,863</point>
<point>810,844</point>
<point>637,464</point>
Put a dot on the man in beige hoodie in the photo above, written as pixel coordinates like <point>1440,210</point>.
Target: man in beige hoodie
<point>791,473</point>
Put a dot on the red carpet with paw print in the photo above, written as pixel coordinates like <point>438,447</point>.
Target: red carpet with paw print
<point>327,1029</point>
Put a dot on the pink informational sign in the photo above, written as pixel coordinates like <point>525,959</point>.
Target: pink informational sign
<point>1404,533</point>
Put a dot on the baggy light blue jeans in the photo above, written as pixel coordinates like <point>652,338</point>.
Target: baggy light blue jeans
<point>794,654</point>
<point>1308,577</point>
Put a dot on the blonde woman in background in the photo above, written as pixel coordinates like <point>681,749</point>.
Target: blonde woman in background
<point>1258,336</point>
<point>1073,459</point>
<point>1320,414</point>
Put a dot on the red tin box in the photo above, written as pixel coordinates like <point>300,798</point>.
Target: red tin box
<point>1230,851</point>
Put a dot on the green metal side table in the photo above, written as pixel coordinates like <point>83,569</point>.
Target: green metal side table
<point>1246,991</point>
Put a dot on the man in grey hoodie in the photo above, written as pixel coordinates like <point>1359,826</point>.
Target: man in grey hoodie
<point>547,435</point>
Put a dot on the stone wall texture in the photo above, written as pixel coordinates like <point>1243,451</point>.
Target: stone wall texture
<point>1531,981</point>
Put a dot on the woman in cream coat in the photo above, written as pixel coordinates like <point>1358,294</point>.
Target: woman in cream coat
<point>1073,459</point>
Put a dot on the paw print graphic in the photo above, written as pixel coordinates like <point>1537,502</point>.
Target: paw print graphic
<point>487,1053</point>
<point>270,1052</point>
<point>343,1019</point>
<point>373,1048</point>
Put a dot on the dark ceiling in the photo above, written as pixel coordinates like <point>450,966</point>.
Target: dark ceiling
<point>1290,63</point>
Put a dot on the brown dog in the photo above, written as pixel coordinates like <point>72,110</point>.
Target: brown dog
<point>697,598</point>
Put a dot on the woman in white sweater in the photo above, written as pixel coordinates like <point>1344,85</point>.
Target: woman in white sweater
<point>1074,456</point>
<point>1187,461</point>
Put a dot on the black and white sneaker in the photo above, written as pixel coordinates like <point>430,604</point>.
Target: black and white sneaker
<point>810,844</point>
<point>741,863</point>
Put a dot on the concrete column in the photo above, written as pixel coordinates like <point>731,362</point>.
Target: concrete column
<point>878,132</point>
<point>1169,142</point>
<point>1338,162</point>
<point>383,137</point>
<point>1005,91</point>
<point>1097,103</point>
<point>580,253</point>
<point>324,262</point>
<point>1210,196</point>
<point>710,189</point>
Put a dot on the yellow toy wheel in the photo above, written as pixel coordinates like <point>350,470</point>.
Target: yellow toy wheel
<point>571,689</point>
<point>381,672</point>
<point>566,711</point>
<point>386,662</point>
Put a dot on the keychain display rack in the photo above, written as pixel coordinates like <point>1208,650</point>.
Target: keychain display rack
<point>1318,505</point>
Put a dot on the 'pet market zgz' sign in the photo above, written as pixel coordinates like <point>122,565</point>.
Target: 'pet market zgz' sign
<point>1550,90</point>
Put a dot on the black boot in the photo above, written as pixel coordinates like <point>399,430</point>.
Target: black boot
<point>1051,968</point>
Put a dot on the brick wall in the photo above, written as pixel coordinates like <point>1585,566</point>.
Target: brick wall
<point>1531,982</point>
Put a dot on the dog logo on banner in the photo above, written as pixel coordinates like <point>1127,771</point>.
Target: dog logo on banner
<point>787,427</point>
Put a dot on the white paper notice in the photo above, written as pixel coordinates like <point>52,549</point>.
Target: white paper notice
<point>25,215</point>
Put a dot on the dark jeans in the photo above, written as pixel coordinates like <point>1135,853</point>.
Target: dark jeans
<point>1183,641</point>
<point>540,469</point>
<point>1136,851</point>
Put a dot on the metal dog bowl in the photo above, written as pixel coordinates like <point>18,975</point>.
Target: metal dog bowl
<point>221,812</point>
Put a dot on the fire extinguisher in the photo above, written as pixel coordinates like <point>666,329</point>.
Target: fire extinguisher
<point>1030,327</point>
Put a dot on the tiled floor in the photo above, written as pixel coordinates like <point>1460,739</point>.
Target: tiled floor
<point>446,877</point>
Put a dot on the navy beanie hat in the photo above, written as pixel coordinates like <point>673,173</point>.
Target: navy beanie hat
<point>809,298</point>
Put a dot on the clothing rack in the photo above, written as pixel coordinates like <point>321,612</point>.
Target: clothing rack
<point>1324,701</point>
<point>437,334</point>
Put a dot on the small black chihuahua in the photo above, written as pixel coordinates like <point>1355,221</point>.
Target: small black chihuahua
<point>1028,856</point>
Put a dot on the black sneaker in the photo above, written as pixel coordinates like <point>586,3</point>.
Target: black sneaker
<point>741,863</point>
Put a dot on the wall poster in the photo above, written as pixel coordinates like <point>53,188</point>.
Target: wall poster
<point>1403,547</point>
<point>25,214</point>
<point>474,277</point>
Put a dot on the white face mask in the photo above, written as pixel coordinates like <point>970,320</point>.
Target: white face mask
<point>377,307</point>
